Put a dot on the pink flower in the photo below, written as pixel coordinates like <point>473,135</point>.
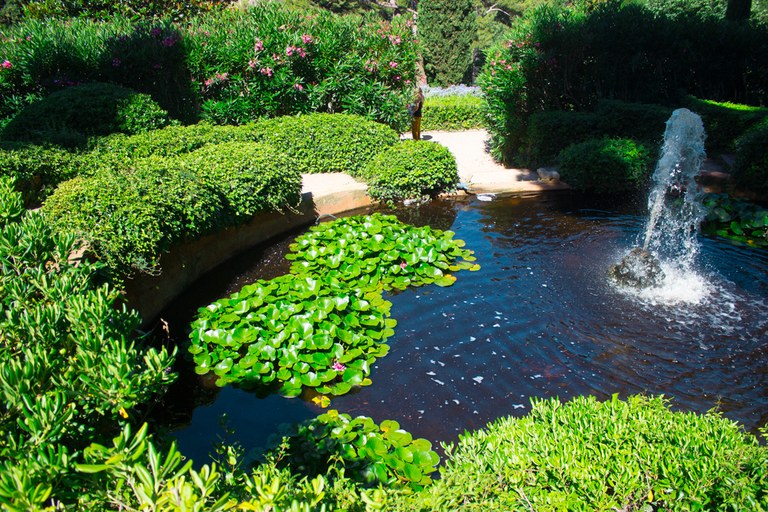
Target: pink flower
<point>298,87</point>
<point>253,63</point>
<point>392,64</point>
<point>307,39</point>
<point>6,64</point>
<point>403,265</point>
<point>266,71</point>
<point>169,41</point>
<point>302,52</point>
<point>208,82</point>
<point>155,32</point>
<point>223,77</point>
<point>289,50</point>
<point>337,366</point>
<point>394,39</point>
<point>258,46</point>
<point>116,62</point>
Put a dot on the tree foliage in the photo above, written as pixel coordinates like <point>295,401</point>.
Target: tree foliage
<point>447,29</point>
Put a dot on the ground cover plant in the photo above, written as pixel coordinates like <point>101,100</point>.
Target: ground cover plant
<point>71,366</point>
<point>323,326</point>
<point>589,455</point>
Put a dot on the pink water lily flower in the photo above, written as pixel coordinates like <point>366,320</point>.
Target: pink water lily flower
<point>337,366</point>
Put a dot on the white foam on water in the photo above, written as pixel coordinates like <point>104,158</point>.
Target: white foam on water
<point>680,286</point>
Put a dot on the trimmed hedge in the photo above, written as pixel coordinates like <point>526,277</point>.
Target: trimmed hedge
<point>751,164</point>
<point>605,165</point>
<point>69,116</point>
<point>452,113</point>
<point>320,143</point>
<point>411,169</point>
<point>130,214</point>
<point>724,122</point>
<point>37,170</point>
<point>587,455</point>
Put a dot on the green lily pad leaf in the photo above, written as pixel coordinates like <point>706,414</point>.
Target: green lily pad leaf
<point>413,473</point>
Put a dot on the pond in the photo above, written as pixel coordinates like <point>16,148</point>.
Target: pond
<point>539,319</point>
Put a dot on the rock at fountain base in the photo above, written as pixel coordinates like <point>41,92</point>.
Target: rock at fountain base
<point>638,269</point>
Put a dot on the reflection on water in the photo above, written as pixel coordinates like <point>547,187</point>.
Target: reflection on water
<point>540,319</point>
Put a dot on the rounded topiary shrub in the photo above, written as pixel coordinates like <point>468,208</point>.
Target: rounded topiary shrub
<point>411,169</point>
<point>69,116</point>
<point>752,159</point>
<point>321,143</point>
<point>605,165</point>
<point>587,455</point>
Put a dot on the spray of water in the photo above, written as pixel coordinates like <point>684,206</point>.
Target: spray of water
<point>674,201</point>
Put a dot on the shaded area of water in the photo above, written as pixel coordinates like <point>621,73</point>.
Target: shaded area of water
<point>540,319</point>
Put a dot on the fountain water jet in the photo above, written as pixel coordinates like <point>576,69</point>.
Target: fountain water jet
<point>674,206</point>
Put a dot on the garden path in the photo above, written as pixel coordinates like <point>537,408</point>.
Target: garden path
<point>477,170</point>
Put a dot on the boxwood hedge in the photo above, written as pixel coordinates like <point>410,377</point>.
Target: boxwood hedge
<point>452,113</point>
<point>751,164</point>
<point>410,170</point>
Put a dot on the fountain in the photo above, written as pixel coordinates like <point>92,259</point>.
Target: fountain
<point>674,206</point>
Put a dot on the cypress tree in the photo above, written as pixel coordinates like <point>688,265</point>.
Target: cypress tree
<point>447,29</point>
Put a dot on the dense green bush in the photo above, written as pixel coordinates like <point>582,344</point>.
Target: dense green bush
<point>262,60</point>
<point>751,164</point>
<point>605,165</point>
<point>327,142</point>
<point>640,121</point>
<point>446,30</point>
<point>587,455</point>
<point>70,368</point>
<point>552,131</point>
<point>69,116</point>
<point>409,170</point>
<point>724,122</point>
<point>452,113</point>
<point>37,170</point>
<point>130,212</point>
<point>570,57</point>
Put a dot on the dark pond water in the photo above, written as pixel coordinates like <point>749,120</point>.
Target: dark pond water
<point>540,319</point>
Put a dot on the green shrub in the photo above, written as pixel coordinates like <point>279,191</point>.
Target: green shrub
<point>409,170</point>
<point>751,163</point>
<point>452,113</point>
<point>71,370</point>
<point>320,143</point>
<point>131,212</point>
<point>552,131</point>
<point>68,117</point>
<point>724,122</point>
<point>639,121</point>
<point>587,455</point>
<point>605,165</point>
<point>735,219</point>
<point>447,29</point>
<point>37,170</point>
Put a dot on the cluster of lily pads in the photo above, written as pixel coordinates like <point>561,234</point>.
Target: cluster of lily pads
<point>372,453</point>
<point>322,326</point>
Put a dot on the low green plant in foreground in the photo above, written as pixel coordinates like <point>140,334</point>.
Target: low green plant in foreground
<point>587,455</point>
<point>324,325</point>
<point>735,219</point>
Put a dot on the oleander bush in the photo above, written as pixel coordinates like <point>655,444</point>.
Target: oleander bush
<point>751,165</point>
<point>71,367</point>
<point>452,113</point>
<point>411,169</point>
<point>232,66</point>
<point>606,165</point>
<point>131,212</point>
<point>319,143</point>
<point>725,122</point>
<point>736,219</point>
<point>70,116</point>
<point>587,455</point>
